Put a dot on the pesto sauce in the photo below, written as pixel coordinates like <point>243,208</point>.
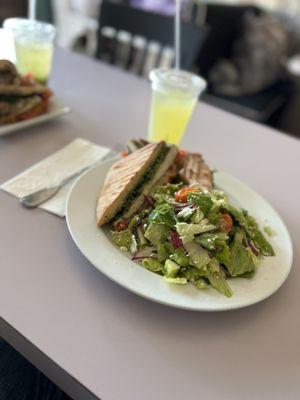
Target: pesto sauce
<point>144,179</point>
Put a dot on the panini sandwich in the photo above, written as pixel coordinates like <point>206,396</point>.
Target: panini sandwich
<point>132,178</point>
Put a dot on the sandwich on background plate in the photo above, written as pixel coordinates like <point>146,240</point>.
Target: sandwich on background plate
<point>21,97</point>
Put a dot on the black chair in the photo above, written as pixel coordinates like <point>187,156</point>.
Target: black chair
<point>225,23</point>
<point>260,107</point>
<point>154,27</point>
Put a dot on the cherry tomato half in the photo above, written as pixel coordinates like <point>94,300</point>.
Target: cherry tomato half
<point>180,157</point>
<point>181,195</point>
<point>120,225</point>
<point>226,222</point>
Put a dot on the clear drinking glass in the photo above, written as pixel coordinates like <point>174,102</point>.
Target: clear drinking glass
<point>174,96</point>
<point>34,46</point>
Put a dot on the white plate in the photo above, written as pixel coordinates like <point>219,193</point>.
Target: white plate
<point>95,245</point>
<point>56,109</point>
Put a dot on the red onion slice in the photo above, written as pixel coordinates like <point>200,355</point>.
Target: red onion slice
<point>149,200</point>
<point>180,206</point>
<point>147,252</point>
<point>175,240</point>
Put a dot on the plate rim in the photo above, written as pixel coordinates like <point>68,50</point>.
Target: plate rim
<point>171,304</point>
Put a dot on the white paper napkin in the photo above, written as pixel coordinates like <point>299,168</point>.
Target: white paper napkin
<point>80,153</point>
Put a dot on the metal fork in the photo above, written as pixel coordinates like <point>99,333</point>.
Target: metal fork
<point>39,197</point>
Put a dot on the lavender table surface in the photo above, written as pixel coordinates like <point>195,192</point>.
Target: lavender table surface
<point>95,339</point>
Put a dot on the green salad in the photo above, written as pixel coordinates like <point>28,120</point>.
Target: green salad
<point>193,235</point>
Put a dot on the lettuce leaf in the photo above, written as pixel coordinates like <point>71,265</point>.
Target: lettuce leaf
<point>224,255</point>
<point>247,222</point>
<point>180,257</point>
<point>236,212</point>
<point>197,216</point>
<point>268,231</point>
<point>188,231</point>
<point>125,240</point>
<point>169,247</point>
<point>141,237</point>
<point>170,189</point>
<point>258,238</point>
<point>208,268</point>
<point>203,200</point>
<point>195,276</point>
<point>178,281</point>
<point>157,233</point>
<point>212,240</point>
<point>186,213</point>
<point>217,279</point>
<point>134,222</point>
<point>242,259</point>
<point>163,213</point>
<point>199,257</point>
<point>152,265</point>
<point>170,268</point>
<point>162,253</point>
<point>165,193</point>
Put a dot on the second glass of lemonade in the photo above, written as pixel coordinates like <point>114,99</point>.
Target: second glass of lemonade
<point>174,96</point>
<point>33,46</point>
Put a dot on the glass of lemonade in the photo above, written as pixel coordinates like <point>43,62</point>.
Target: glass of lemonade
<point>174,96</point>
<point>34,46</point>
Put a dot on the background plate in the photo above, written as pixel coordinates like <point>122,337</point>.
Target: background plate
<point>56,109</point>
<point>95,245</point>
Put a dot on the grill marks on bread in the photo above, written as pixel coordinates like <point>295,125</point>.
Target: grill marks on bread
<point>123,178</point>
<point>159,170</point>
<point>196,171</point>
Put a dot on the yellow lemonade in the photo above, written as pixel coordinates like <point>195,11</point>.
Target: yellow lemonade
<point>174,96</point>
<point>169,117</point>
<point>35,58</point>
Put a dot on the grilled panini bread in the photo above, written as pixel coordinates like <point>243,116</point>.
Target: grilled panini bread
<point>196,171</point>
<point>132,177</point>
<point>189,167</point>
<point>122,178</point>
<point>160,171</point>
